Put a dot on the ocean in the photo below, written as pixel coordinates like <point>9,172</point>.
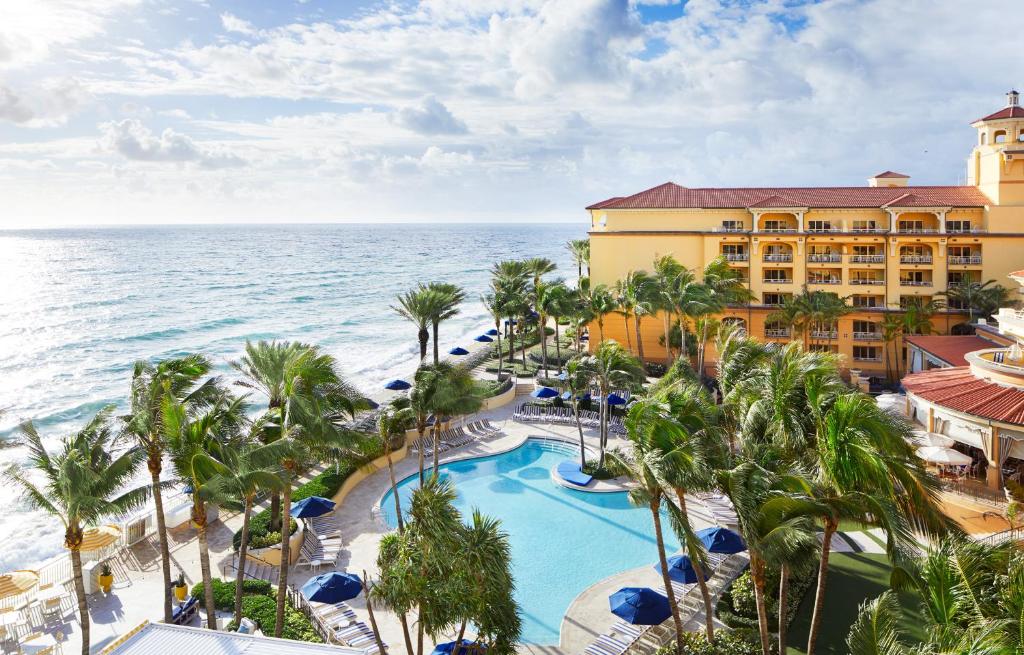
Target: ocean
<point>79,306</point>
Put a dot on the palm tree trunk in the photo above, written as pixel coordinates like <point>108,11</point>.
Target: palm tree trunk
<point>669,592</point>
<point>542,335</point>
<point>275,510</point>
<point>458,639</point>
<point>819,594</point>
<point>243,550</point>
<point>83,602</point>
<point>199,518</point>
<point>423,337</point>
<point>522,339</point>
<point>419,635</point>
<point>436,353</point>
<point>373,619</point>
<point>558,346</point>
<point>709,615</point>
<point>286,552</point>
<point>668,342</point>
<point>155,464</point>
<point>625,324</point>
<point>603,423</point>
<point>684,352</point>
<point>757,576</point>
<point>501,358</point>
<point>437,440</point>
<point>421,430</point>
<point>579,427</point>
<point>639,343</point>
<point>600,330</point>
<point>394,485</point>
<point>405,633</point>
<point>783,600</point>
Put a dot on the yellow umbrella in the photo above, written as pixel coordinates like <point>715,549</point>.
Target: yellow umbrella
<point>99,538</point>
<point>17,582</point>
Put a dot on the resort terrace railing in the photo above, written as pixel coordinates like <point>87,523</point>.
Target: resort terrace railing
<point>736,256</point>
<point>779,230</point>
<point>820,230</point>
<point>824,334</point>
<point>866,359</point>
<point>729,228</point>
<point>977,491</point>
<point>917,230</point>
<point>777,257</point>
<point>787,280</point>
<point>872,228</point>
<point>960,261</point>
<point>915,259</point>
<point>776,333</point>
<point>824,280</point>
<point>867,336</point>
<point>867,259</point>
<point>915,283</point>
<point>965,230</point>
<point>1013,534</point>
<point>824,257</point>
<point>867,281</point>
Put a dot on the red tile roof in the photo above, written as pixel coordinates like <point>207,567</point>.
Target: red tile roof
<point>950,349</point>
<point>959,390</point>
<point>891,174</point>
<point>673,196</point>
<point>1006,112</point>
<point>912,200</point>
<point>775,201</point>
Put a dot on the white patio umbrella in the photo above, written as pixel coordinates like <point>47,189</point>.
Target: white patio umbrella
<point>945,456</point>
<point>923,438</point>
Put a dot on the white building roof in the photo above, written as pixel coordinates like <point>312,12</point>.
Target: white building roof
<point>162,638</point>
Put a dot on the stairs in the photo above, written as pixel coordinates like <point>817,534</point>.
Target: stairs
<point>524,388</point>
<point>254,569</point>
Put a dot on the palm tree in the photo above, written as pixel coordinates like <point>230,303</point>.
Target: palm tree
<point>580,251</point>
<point>448,298</point>
<point>892,328</point>
<point>421,403</point>
<point>494,303</point>
<point>308,395</point>
<point>189,440</point>
<point>982,298</point>
<point>509,278</point>
<point>610,367</point>
<point>722,285</point>
<point>917,315</point>
<point>577,382</point>
<point>538,267</point>
<point>80,485</point>
<point>669,275</point>
<point>557,303</point>
<point>639,290</point>
<point>455,394</point>
<point>602,303</point>
<point>541,302</point>
<point>419,306</point>
<point>152,384</point>
<point>392,423</point>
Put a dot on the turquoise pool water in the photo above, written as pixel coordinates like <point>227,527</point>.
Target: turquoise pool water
<point>563,540</point>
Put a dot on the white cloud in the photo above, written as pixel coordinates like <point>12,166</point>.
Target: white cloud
<point>134,141</point>
<point>233,23</point>
<point>30,29</point>
<point>45,104</point>
<point>431,117</point>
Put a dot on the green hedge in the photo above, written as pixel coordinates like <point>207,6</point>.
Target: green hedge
<point>737,607</point>
<point>224,592</point>
<point>726,643</point>
<point>262,610</point>
<point>324,485</point>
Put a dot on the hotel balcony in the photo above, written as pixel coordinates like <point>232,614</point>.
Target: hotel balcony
<point>874,227</point>
<point>776,333</point>
<point>769,280</point>
<point>777,257</point>
<point>915,283</point>
<point>867,336</point>
<point>998,361</point>
<point>730,228</point>
<point>965,261</point>
<point>867,259</point>
<point>827,229</point>
<point>970,229</point>
<point>824,257</point>
<point>824,279</point>
<point>865,358</point>
<point>736,256</point>
<point>915,259</point>
<point>868,281</point>
<point>824,334</point>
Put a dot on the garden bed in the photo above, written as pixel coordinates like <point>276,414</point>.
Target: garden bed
<point>259,605</point>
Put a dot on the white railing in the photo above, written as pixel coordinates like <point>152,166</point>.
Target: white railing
<point>867,359</point>
<point>778,281</point>
<point>776,333</point>
<point>915,259</point>
<point>915,283</point>
<point>873,228</point>
<point>867,259</point>
<point>867,281</point>
<point>817,230</point>
<point>824,280</point>
<point>774,257</point>
<point>970,259</point>
<point>916,230</point>
<point>825,257</point>
<point>736,256</point>
<point>824,334</point>
<point>965,230</point>
<point>729,228</point>
<point>778,230</point>
<point>867,336</point>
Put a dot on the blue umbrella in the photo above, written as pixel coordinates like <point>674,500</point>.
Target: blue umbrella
<point>397,385</point>
<point>512,322</point>
<point>567,396</point>
<point>449,646</point>
<point>721,540</point>
<point>616,399</point>
<point>564,375</point>
<point>680,569</point>
<point>544,392</point>
<point>312,506</point>
<point>483,338</point>
<point>492,332</point>
<point>332,587</point>
<point>458,350</point>
<point>639,605</point>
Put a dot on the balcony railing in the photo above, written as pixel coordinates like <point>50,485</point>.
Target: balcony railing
<point>776,230</point>
<point>865,358</point>
<point>867,281</point>
<point>777,257</point>
<point>872,228</point>
<point>867,259</point>
<point>729,228</point>
<point>824,334</point>
<point>827,257</point>
<point>915,259</point>
<point>964,230</point>
<point>915,283</point>
<point>867,336</point>
<point>824,280</point>
<point>736,256</point>
<point>816,230</point>
<point>771,280</point>
<point>969,259</point>
<point>780,333</point>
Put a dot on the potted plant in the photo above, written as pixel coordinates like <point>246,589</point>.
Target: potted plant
<point>180,588</point>
<point>106,578</point>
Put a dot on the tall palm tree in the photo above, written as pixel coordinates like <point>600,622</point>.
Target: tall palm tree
<point>419,306</point>
<point>610,367</point>
<point>577,383</point>
<point>189,440</point>
<point>917,316</point>
<point>510,279</point>
<point>557,303</point>
<point>455,394</point>
<point>80,485</point>
<point>580,251</point>
<point>538,267</point>
<point>981,298</point>
<point>421,403</point>
<point>669,277</point>
<point>448,298</point>
<point>151,384</point>
<point>602,303</point>
<point>392,423</point>
<point>494,303</point>
<point>722,286</point>
<point>541,302</point>
<point>308,395</point>
<point>639,291</point>
<point>892,329</point>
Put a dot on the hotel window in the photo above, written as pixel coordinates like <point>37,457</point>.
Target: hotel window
<point>774,299</point>
<point>773,225</point>
<point>958,226</point>
<point>907,301</point>
<point>865,327</point>
<point>732,226</point>
<point>866,353</point>
<point>775,275</point>
<point>959,251</point>
<point>960,277</point>
<point>911,226</point>
<point>823,348</point>
<point>867,301</point>
<point>863,226</point>
<point>819,226</point>
<point>913,278</point>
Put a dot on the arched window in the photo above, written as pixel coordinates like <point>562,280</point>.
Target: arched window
<point>984,138</point>
<point>999,137</point>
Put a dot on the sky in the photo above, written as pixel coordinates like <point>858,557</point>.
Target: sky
<point>185,111</point>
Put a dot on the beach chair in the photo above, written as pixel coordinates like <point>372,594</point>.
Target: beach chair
<point>184,613</point>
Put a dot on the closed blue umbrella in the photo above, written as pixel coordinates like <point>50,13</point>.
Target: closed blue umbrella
<point>458,350</point>
<point>616,399</point>
<point>312,506</point>
<point>449,646</point>
<point>544,392</point>
<point>332,587</point>
<point>721,540</point>
<point>680,569</point>
<point>492,332</point>
<point>397,385</point>
<point>483,338</point>
<point>639,605</point>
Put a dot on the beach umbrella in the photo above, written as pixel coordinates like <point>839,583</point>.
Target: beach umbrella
<point>639,605</point>
<point>512,322</point>
<point>721,540</point>
<point>449,646</point>
<point>458,350</point>
<point>932,439</point>
<point>483,338</point>
<point>616,399</point>
<point>680,569</point>
<point>370,404</point>
<point>187,490</point>
<point>944,456</point>
<point>99,538</point>
<point>312,506</point>
<point>544,392</point>
<point>332,587</point>
<point>17,582</point>
<point>492,332</point>
<point>397,385</point>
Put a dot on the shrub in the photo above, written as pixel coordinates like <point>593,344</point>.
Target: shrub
<point>737,607</point>
<point>726,643</point>
<point>224,592</point>
<point>262,609</point>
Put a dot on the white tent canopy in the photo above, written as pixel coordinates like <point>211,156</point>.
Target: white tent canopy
<point>941,455</point>
<point>922,438</point>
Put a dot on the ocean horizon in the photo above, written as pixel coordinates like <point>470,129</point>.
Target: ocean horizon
<point>82,304</point>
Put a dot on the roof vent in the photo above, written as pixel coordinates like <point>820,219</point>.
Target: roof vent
<point>1012,99</point>
<point>889,178</point>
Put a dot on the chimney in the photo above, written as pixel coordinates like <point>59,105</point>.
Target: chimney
<point>1012,99</point>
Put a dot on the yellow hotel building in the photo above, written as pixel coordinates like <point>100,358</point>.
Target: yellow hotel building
<point>875,245</point>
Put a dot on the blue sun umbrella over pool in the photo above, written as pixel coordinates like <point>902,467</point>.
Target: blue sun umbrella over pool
<point>492,332</point>
<point>721,540</point>
<point>332,587</point>
<point>458,350</point>
<point>616,399</point>
<point>483,338</point>
<point>680,569</point>
<point>448,647</point>
<point>312,506</point>
<point>544,392</point>
<point>639,605</point>
<point>397,385</point>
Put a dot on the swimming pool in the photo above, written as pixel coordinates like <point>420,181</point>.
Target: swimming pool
<point>563,540</point>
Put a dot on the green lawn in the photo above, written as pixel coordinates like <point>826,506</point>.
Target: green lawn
<point>852,579</point>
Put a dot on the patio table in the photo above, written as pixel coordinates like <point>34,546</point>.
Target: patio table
<point>42,642</point>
